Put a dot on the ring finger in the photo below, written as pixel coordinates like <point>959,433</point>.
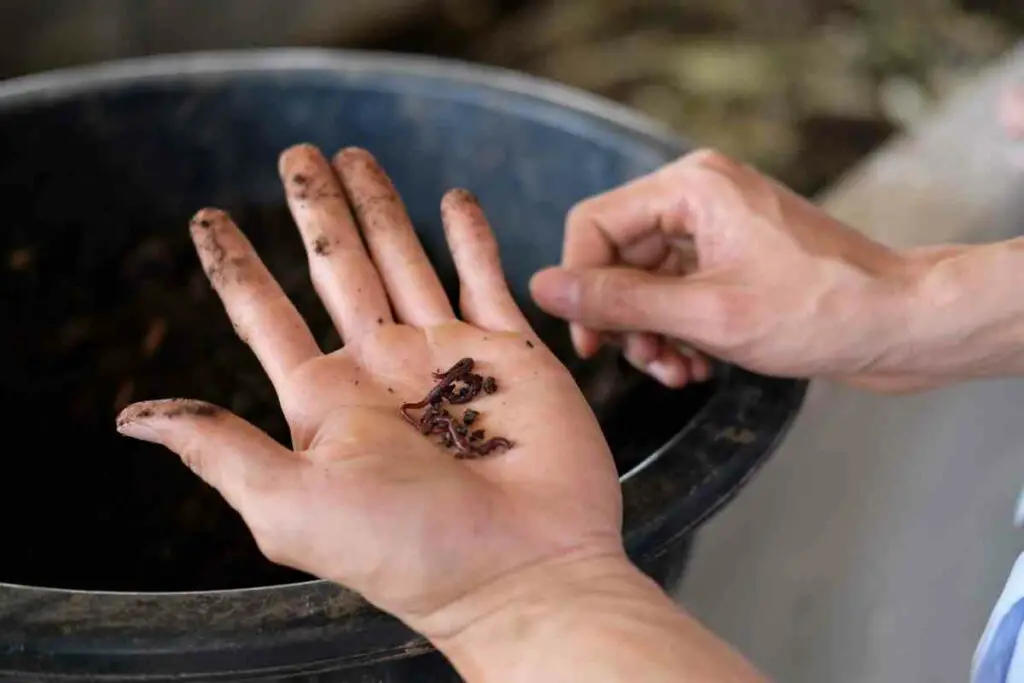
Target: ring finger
<point>341,270</point>
<point>484,297</point>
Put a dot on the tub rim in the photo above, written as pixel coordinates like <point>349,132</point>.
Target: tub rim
<point>127,634</point>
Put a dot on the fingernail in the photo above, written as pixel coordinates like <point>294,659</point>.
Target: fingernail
<point>664,372</point>
<point>644,348</point>
<point>138,429</point>
<point>556,291</point>
<point>582,341</point>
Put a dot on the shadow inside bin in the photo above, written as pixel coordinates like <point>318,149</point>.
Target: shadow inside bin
<point>94,327</point>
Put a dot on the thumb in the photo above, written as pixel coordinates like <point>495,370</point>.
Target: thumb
<point>225,451</point>
<point>617,299</point>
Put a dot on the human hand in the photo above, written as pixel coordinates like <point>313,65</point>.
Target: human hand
<point>363,498</point>
<point>709,253</point>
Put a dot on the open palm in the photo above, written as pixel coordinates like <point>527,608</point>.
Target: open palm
<point>364,498</point>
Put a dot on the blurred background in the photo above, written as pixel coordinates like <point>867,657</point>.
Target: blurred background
<point>801,88</point>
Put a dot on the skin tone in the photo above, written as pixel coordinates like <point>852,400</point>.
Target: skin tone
<point>704,256</point>
<point>707,253</point>
<point>513,566</point>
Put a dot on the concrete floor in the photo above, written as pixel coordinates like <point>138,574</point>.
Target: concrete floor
<point>875,543</point>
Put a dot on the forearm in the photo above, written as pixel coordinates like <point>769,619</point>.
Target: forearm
<point>963,316</point>
<point>598,625</point>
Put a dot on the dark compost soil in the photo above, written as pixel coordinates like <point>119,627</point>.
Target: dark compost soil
<point>92,325</point>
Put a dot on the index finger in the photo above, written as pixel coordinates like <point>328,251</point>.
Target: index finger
<point>627,223</point>
<point>260,311</point>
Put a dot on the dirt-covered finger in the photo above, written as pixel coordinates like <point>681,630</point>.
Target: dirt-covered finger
<point>244,464</point>
<point>484,297</point>
<point>413,287</point>
<point>261,313</point>
<point>340,267</point>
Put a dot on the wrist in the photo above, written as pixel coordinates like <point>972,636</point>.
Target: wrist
<point>528,593</point>
<point>867,311</point>
<point>960,316</point>
<point>599,619</point>
<point>518,621</point>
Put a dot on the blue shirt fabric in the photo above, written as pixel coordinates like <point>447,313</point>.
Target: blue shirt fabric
<point>1000,654</point>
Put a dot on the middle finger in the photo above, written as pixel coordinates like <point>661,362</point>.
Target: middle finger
<point>412,285</point>
<point>341,270</point>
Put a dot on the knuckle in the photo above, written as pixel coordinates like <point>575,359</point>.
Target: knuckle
<point>715,163</point>
<point>580,214</point>
<point>706,157</point>
<point>718,181</point>
<point>712,180</point>
<point>713,166</point>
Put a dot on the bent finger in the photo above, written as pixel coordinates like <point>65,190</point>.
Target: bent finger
<point>412,284</point>
<point>641,348</point>
<point>484,297</point>
<point>260,311</point>
<point>624,222</point>
<point>339,266</point>
<point>652,356</point>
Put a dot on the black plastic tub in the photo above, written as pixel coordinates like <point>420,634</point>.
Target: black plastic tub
<point>117,563</point>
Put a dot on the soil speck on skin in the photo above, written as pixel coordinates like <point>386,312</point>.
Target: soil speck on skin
<point>185,406</point>
<point>299,179</point>
<point>321,246</point>
<point>390,390</point>
<point>217,258</point>
<point>529,343</point>
<point>174,408</point>
<point>380,321</point>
